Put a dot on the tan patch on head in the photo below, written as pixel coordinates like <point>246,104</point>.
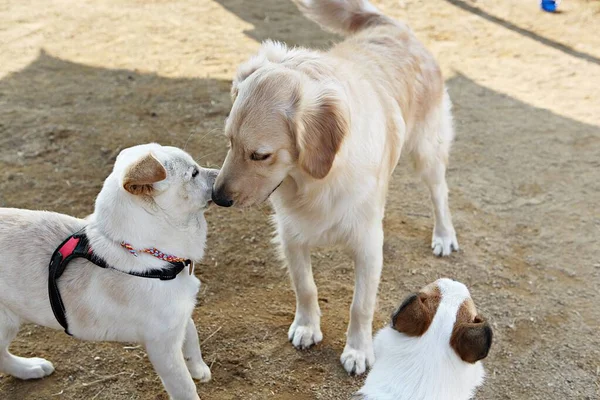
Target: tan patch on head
<point>416,313</point>
<point>467,309</point>
<point>472,334</point>
<point>432,290</point>
<point>142,174</point>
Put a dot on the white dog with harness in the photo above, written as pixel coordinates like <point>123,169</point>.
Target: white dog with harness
<point>103,278</point>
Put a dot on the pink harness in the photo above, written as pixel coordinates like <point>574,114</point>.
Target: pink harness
<point>77,246</point>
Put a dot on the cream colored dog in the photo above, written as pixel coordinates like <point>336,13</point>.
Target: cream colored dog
<point>320,133</point>
<point>155,197</point>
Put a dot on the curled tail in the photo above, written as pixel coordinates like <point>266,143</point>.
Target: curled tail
<point>343,16</point>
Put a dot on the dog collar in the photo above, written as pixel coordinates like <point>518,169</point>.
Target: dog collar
<point>153,252</point>
<point>77,246</point>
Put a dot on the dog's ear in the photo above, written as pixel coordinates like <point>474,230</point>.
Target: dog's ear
<point>321,125</point>
<point>140,176</point>
<point>472,340</point>
<point>414,315</point>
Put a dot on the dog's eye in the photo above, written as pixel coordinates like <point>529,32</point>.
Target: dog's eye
<point>195,173</point>
<point>259,157</point>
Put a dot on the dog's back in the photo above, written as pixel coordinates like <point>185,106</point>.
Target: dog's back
<point>27,240</point>
<point>385,51</point>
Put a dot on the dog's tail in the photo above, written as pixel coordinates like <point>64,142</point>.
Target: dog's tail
<point>343,16</point>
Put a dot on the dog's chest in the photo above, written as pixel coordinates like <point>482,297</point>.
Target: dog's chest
<point>320,226</point>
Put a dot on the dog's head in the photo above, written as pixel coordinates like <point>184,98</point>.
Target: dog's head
<point>164,182</point>
<point>443,302</point>
<point>282,121</point>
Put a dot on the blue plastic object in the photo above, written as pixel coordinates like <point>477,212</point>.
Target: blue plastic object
<point>549,5</point>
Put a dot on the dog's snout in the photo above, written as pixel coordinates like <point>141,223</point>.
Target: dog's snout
<point>212,176</point>
<point>220,198</point>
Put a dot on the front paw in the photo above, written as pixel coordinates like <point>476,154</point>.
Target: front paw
<point>199,371</point>
<point>356,361</point>
<point>29,368</point>
<point>443,245</point>
<point>305,336</point>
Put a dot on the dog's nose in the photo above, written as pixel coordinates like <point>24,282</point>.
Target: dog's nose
<point>220,199</point>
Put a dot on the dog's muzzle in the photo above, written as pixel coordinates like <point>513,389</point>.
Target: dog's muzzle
<point>220,198</point>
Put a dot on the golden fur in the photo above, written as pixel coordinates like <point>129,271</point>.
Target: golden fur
<point>320,133</point>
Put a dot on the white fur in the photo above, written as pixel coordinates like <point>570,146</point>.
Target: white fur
<point>424,367</point>
<point>106,304</point>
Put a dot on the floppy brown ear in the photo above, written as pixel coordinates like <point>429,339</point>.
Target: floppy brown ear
<point>472,340</point>
<point>414,316</point>
<point>322,127</point>
<point>140,176</point>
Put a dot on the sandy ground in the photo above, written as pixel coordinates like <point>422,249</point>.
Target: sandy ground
<point>81,80</point>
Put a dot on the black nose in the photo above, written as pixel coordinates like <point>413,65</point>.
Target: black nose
<point>220,199</point>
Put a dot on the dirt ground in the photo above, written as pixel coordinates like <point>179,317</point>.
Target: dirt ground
<point>81,80</point>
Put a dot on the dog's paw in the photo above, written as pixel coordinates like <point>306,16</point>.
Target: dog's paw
<point>30,368</point>
<point>443,245</point>
<point>356,362</point>
<point>304,336</point>
<point>199,371</point>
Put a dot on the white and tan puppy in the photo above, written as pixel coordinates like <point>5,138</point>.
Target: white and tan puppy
<point>155,197</point>
<point>432,348</point>
<point>320,133</point>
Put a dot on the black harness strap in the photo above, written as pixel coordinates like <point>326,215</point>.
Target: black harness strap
<point>77,246</point>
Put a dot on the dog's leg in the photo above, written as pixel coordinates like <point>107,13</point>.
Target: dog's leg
<point>443,240</point>
<point>19,367</point>
<point>358,354</point>
<point>305,331</point>
<point>167,358</point>
<point>193,355</point>
<point>431,158</point>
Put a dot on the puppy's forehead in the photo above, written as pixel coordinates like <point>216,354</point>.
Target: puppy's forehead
<point>176,155</point>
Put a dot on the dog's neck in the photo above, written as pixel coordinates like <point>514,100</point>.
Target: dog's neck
<point>426,367</point>
<point>117,219</point>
